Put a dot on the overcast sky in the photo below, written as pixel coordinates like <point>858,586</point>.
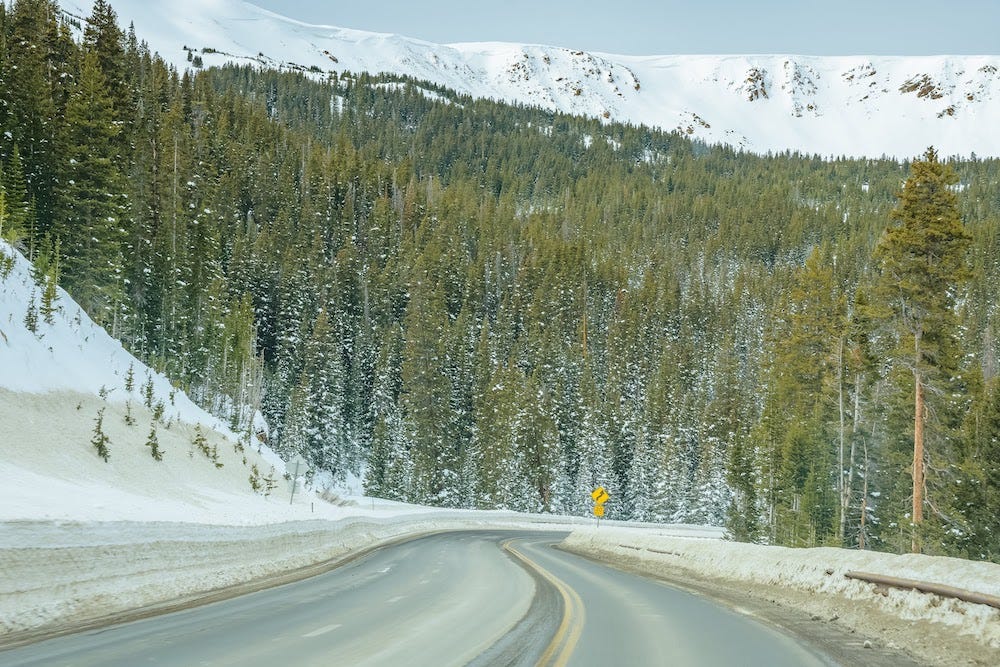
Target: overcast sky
<point>659,27</point>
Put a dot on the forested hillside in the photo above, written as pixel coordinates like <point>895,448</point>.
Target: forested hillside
<point>479,305</point>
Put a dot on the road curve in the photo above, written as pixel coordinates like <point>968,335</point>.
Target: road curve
<point>481,598</point>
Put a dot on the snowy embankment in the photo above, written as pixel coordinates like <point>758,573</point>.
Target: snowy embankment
<point>813,580</point>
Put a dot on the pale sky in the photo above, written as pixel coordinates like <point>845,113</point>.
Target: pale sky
<point>661,27</point>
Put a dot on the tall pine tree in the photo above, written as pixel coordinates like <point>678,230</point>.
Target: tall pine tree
<point>922,266</point>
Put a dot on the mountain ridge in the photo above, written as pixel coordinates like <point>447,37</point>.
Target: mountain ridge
<point>858,106</point>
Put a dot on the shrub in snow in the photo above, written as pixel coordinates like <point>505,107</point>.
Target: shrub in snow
<point>100,440</point>
<point>153,443</point>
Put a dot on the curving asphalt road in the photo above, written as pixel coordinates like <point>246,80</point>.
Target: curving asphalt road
<point>481,598</point>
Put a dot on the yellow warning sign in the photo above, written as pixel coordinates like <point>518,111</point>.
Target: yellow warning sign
<point>600,496</point>
<point>598,511</point>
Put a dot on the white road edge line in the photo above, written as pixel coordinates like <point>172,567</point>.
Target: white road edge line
<point>321,631</point>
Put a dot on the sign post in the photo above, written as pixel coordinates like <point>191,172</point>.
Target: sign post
<point>599,496</point>
<point>298,462</point>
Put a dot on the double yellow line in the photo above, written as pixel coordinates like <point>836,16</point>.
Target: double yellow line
<point>559,650</point>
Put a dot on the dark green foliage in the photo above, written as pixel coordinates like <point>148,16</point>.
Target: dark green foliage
<point>922,270</point>
<point>978,496</point>
<point>256,483</point>
<point>200,442</point>
<point>92,208</point>
<point>31,315</point>
<point>154,443</point>
<point>130,378</point>
<point>100,440</point>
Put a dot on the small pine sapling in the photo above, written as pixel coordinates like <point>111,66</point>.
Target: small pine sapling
<point>129,419</point>
<point>31,317</point>
<point>130,378</point>
<point>215,456</point>
<point>147,391</point>
<point>270,482</point>
<point>201,442</point>
<point>158,411</point>
<point>154,443</point>
<point>49,298</point>
<point>255,481</point>
<point>50,295</point>
<point>100,440</point>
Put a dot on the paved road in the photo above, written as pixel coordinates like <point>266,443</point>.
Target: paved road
<point>486,598</point>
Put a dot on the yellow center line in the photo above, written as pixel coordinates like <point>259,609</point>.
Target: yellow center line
<point>559,650</point>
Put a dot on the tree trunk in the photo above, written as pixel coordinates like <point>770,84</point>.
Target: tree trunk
<point>918,452</point>
<point>841,482</point>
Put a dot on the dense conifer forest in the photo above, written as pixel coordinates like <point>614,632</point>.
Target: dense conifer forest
<point>479,305</point>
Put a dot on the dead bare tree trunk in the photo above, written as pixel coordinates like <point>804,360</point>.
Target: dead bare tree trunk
<point>918,449</point>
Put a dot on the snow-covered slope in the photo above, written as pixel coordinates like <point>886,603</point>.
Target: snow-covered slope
<point>851,105</point>
<point>53,384</point>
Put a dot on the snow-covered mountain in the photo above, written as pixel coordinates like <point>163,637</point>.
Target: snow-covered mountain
<point>849,105</point>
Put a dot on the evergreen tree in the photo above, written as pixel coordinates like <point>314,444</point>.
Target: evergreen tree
<point>922,266</point>
<point>425,395</point>
<point>92,202</point>
<point>979,498</point>
<point>100,440</point>
<point>326,434</point>
<point>154,443</point>
<point>104,38</point>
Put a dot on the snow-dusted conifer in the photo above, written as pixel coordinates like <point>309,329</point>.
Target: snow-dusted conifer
<point>153,442</point>
<point>100,440</point>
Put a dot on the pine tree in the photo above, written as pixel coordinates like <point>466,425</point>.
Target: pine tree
<point>21,220</point>
<point>978,498</point>
<point>31,315</point>
<point>37,49</point>
<point>326,431</point>
<point>425,396</point>
<point>922,266</point>
<point>92,203</point>
<point>50,291</point>
<point>100,440</point>
<point>200,442</point>
<point>154,443</point>
<point>130,378</point>
<point>103,37</point>
<point>387,444</point>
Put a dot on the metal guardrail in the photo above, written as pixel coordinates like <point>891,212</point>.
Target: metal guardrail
<point>925,587</point>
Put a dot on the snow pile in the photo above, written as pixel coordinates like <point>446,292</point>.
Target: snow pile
<point>818,572</point>
<point>851,105</point>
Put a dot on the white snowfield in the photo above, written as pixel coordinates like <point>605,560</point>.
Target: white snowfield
<point>861,106</point>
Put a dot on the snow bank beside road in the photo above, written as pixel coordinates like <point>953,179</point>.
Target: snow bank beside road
<point>768,571</point>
